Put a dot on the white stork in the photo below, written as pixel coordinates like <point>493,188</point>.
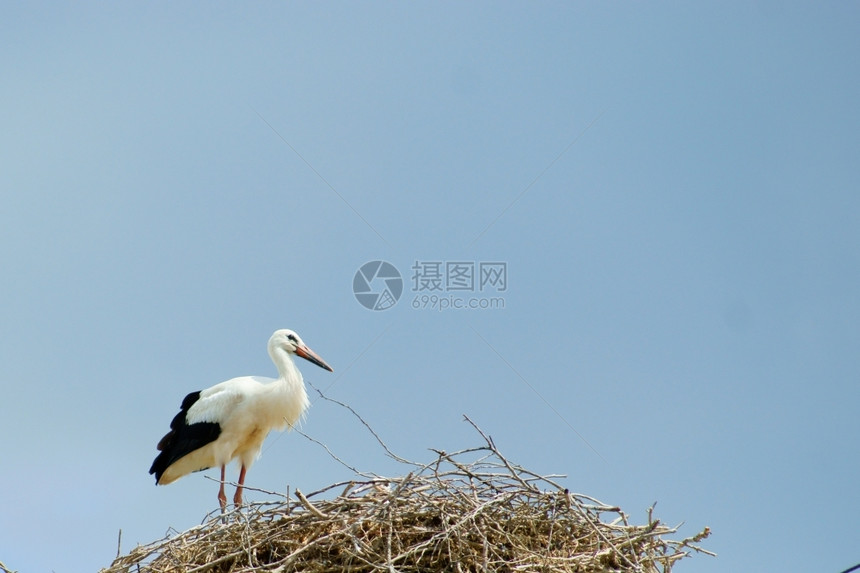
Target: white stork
<point>230,420</point>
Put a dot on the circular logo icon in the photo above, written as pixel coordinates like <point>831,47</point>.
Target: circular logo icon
<point>377,285</point>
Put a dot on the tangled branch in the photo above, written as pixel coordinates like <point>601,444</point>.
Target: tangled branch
<point>470,510</point>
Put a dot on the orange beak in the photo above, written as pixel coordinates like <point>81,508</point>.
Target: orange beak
<point>312,356</point>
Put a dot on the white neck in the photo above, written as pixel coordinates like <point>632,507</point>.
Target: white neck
<point>287,370</point>
<point>287,397</point>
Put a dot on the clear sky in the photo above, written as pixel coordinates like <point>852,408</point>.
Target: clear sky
<point>673,189</point>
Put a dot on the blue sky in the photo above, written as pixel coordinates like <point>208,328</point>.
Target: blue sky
<point>673,189</point>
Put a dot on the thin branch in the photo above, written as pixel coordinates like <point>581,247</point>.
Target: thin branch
<point>366,425</point>
<point>308,505</point>
<point>333,456</point>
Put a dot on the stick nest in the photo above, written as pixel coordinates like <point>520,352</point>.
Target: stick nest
<point>471,510</point>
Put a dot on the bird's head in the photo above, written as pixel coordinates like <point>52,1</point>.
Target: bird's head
<point>286,339</point>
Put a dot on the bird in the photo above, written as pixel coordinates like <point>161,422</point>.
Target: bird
<point>230,420</point>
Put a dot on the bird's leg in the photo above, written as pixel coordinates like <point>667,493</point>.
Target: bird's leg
<point>237,499</point>
<point>222,497</point>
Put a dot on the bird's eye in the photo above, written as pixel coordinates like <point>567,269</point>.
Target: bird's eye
<point>293,338</point>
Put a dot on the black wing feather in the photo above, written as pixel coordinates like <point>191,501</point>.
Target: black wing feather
<point>182,439</point>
